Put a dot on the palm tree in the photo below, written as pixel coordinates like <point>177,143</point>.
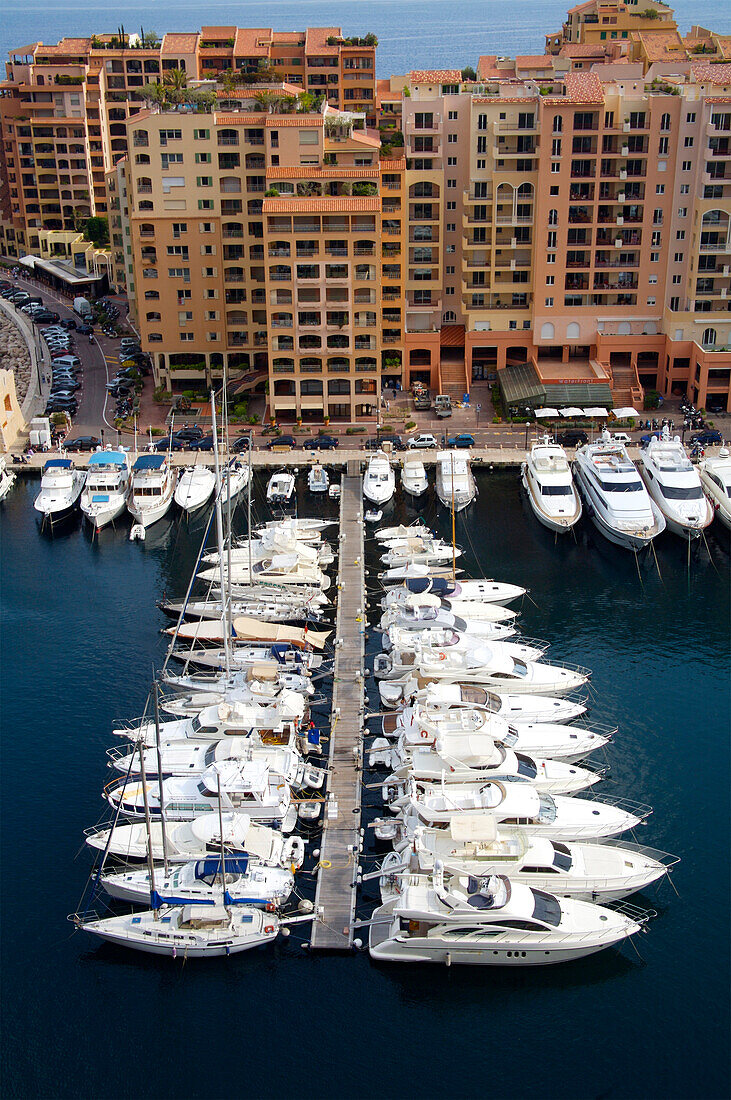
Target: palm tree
<point>267,101</point>
<point>176,82</point>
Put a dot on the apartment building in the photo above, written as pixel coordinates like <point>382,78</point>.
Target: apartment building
<point>64,108</point>
<point>271,244</point>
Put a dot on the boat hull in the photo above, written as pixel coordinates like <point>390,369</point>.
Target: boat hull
<point>559,525</point>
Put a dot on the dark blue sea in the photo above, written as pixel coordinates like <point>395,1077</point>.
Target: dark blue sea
<point>79,641</point>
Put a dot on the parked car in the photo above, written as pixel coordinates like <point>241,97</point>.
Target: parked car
<point>572,437</point>
<point>707,438</point>
<point>386,437</point>
<point>69,322</point>
<point>321,443</point>
<point>83,443</point>
<point>189,434</point>
<point>463,439</point>
<point>205,444</point>
<point>67,361</point>
<point>621,437</point>
<point>43,316</point>
<point>238,445</point>
<point>61,404</point>
<point>85,330</point>
<point>164,444</point>
<point>423,440</point>
<point>281,443</point>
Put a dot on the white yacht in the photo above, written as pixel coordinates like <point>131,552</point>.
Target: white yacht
<point>199,883</point>
<point>673,482</point>
<point>193,931</point>
<point>547,480</point>
<point>213,722</point>
<point>455,482</point>
<point>153,485</point>
<point>426,617</point>
<point>61,487</point>
<point>422,552</point>
<point>615,498</point>
<point>480,591</point>
<point>7,478</point>
<point>467,770</point>
<point>243,657</point>
<point>448,696</point>
<point>280,489</point>
<point>234,479</point>
<point>401,605</point>
<point>379,482</point>
<point>107,487</point>
<point>273,568</point>
<point>413,477</point>
<point>715,474</point>
<point>590,870</point>
<point>493,921</point>
<point>200,837</point>
<point>534,813</point>
<point>443,627</point>
<point>195,488</point>
<point>249,788</point>
<point>318,480</point>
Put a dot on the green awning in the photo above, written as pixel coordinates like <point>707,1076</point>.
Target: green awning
<point>562,395</point>
<point>520,385</point>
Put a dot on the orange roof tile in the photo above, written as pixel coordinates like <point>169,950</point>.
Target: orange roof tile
<point>252,41</point>
<point>711,74</point>
<point>393,164</point>
<point>218,32</point>
<point>723,44</point>
<point>316,39</point>
<point>294,120</point>
<point>365,139</point>
<point>321,206</point>
<point>179,43</point>
<point>297,172</point>
<point>65,46</point>
<point>435,76</point>
<point>289,38</point>
<point>662,45</point>
<point>534,61</point>
<point>583,88</point>
<point>581,49</point>
<point>721,99</point>
<point>245,118</point>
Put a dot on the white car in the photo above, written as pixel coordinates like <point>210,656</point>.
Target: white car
<point>423,440</point>
<point>621,437</point>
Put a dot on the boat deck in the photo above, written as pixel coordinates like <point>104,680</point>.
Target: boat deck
<point>336,880</point>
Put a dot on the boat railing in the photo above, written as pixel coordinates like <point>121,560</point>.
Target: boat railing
<point>580,670</point>
<point>632,912</point>
<point>118,753</point>
<point>627,805</point>
<point>536,643</point>
<point>602,729</point>
<point>667,859</point>
<point>97,830</point>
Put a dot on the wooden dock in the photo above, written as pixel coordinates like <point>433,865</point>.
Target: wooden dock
<point>336,881</point>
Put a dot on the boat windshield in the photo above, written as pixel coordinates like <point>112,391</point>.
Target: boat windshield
<point>681,492</point>
<point>556,490</point>
<point>546,809</point>
<point>620,486</point>
<point>197,726</point>
<point>546,908</point>
<point>562,860</point>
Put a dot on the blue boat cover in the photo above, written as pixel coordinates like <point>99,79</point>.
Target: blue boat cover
<point>107,458</point>
<point>313,736</point>
<point>149,462</point>
<point>211,865</point>
<point>64,463</point>
<point>438,585</point>
<point>281,649</point>
<point>99,498</point>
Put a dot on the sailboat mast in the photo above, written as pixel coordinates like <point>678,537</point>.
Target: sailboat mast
<point>148,828</point>
<point>248,506</point>
<point>163,822</point>
<point>219,537</point>
<point>223,847</point>
<point>454,551</point>
<point>229,528</point>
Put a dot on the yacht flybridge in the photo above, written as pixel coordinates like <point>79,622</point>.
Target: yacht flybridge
<point>153,485</point>
<point>615,498</point>
<point>547,480</point>
<point>675,487</point>
<point>715,475</point>
<point>456,487</point>
<point>195,488</point>
<point>61,487</point>
<point>413,477</point>
<point>379,482</point>
<point>107,487</point>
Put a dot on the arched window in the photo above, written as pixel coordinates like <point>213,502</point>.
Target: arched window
<point>228,137</point>
<point>237,317</point>
<point>572,331</point>
<point>709,337</point>
<point>311,364</point>
<point>146,205</point>
<point>557,124</point>
<point>449,317</point>
<point>553,217</point>
<point>309,341</point>
<point>547,331</point>
<point>147,229</point>
<point>338,386</point>
<point>154,337</point>
<point>422,190</point>
<point>338,362</point>
<point>665,122</point>
<point>284,387</point>
<point>525,190</point>
<point>283,363</point>
<point>153,316</point>
<point>144,183</point>
<point>311,387</point>
<point>142,158</point>
<point>152,295</point>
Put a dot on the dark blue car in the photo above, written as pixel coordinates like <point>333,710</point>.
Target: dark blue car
<point>464,439</point>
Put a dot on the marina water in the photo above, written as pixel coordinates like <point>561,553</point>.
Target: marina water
<point>80,639</point>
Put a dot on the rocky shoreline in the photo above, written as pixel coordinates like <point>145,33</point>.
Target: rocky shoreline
<point>14,355</point>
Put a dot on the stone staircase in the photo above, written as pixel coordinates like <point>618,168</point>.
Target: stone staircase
<point>626,389</point>
<point>452,378</point>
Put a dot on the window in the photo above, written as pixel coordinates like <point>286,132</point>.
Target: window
<point>556,167</point>
<point>451,183</point>
<point>204,181</point>
<point>451,139</point>
<point>652,278</point>
<point>178,250</point>
<point>187,336</point>
<point>481,164</point>
<point>170,158</point>
<point>665,122</point>
<point>555,190</point>
<point>675,304</point>
<point>451,248</point>
<point>449,270</point>
<point>549,301</point>
<point>309,137</point>
<point>682,211</point>
<point>550,280</point>
<point>553,217</point>
<point>209,272</point>
<point>659,188</point>
<point>452,116</point>
<point>663,146</point>
<point>205,227</point>
<point>685,189</point>
<point>170,135</point>
<point>656,238</point>
<point>482,145</point>
<point>552,239</point>
<point>687,165</point>
<point>451,205</point>
<point>449,290</point>
<point>680,235</point>
<point>651,301</point>
<point>551,258</point>
<point>451,227</point>
<point>205,204</point>
<point>654,257</point>
<point>677,280</point>
<point>678,257</point>
<point>201,135</point>
<point>690,117</point>
<point>688,142</point>
<point>556,147</point>
<point>557,124</point>
<point>203,158</point>
<point>179,273</point>
<point>185,315</point>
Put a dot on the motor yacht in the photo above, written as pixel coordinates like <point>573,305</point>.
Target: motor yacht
<point>216,722</point>
<point>247,787</point>
<point>715,475</point>
<point>517,708</point>
<point>194,931</point>
<point>200,882</point>
<point>458,733</point>
<point>153,485</point>
<point>589,870</point>
<point>7,478</point>
<point>413,477</point>
<point>271,610</point>
<point>107,488</point>
<point>379,482</point>
<point>497,665</point>
<point>404,530</point>
<point>272,568</point>
<point>234,479</point>
<point>198,838</point>
<point>546,477</point>
<point>242,658</point>
<point>195,488</point>
<point>422,551</point>
<point>456,486</point>
<point>493,921</point>
<point>675,486</point>
<point>318,480</point>
<point>432,632</point>
<point>61,488</point>
<point>473,591</point>
<point>534,813</point>
<point>615,498</point>
<point>280,489</point>
<point>439,616</point>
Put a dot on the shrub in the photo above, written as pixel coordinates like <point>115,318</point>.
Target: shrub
<point>409,425</point>
<point>254,419</point>
<point>353,431</point>
<point>241,408</point>
<point>652,399</point>
<point>160,394</point>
